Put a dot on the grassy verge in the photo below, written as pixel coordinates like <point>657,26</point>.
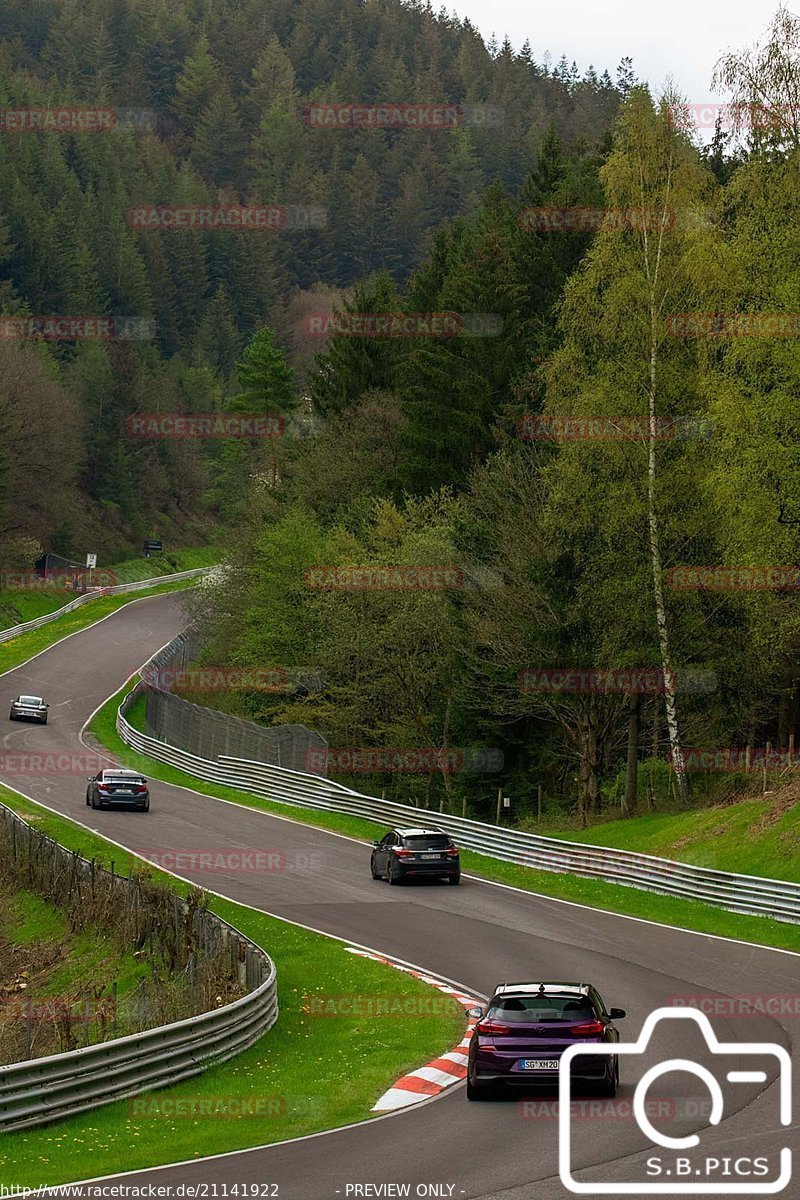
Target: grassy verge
<point>50,972</point>
<point>685,914</point>
<point>308,1073</point>
<point>166,564</point>
<point>17,607</point>
<point>19,649</point>
<point>758,836</point>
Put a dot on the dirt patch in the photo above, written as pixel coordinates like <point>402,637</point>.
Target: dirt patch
<point>783,803</point>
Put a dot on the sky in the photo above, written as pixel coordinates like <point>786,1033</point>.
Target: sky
<point>681,38</point>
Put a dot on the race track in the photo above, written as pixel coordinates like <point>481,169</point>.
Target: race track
<point>478,935</point>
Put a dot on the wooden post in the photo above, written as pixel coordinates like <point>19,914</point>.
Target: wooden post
<point>499,805</point>
<point>29,1029</point>
<point>766,756</point>
<point>791,750</point>
<point>539,804</point>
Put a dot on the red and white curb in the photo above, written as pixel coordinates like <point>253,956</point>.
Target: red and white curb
<point>442,1072</point>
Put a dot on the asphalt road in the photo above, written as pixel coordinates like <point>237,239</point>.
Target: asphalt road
<point>478,934</point>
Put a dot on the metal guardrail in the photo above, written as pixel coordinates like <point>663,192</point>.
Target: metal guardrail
<point>752,894</point>
<point>41,1090</point>
<point>93,593</point>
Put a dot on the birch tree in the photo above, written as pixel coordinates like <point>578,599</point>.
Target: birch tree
<point>634,479</point>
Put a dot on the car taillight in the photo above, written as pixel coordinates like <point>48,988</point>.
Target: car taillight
<point>103,787</point>
<point>452,851</point>
<point>491,1028</point>
<point>140,788</point>
<point>402,853</point>
<point>587,1029</point>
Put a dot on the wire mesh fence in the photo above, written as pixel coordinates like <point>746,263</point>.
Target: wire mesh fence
<point>194,962</point>
<point>208,733</point>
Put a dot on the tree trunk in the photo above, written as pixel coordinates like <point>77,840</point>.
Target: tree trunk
<point>670,701</point>
<point>589,792</point>
<point>632,767</point>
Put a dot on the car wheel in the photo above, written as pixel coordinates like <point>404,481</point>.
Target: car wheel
<point>479,1091</point>
<point>455,879</point>
<point>44,720</point>
<point>394,874</point>
<point>88,801</point>
<point>145,807</point>
<point>372,869</point>
<point>608,1086</point>
<point>11,717</point>
<point>92,801</point>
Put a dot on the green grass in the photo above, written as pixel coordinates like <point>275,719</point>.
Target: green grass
<point>17,607</point>
<point>169,563</point>
<point>758,836</point>
<point>90,956</point>
<point>685,914</point>
<point>308,1073</point>
<point>28,918</point>
<point>19,649</point>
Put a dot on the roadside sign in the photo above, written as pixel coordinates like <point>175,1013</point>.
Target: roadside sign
<point>91,561</point>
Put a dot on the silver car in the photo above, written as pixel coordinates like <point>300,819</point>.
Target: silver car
<point>29,708</point>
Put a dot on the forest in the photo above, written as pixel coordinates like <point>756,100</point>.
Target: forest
<point>533,511</point>
<point>161,105</point>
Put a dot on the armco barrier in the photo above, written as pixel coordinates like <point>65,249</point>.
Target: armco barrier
<point>93,593</point>
<point>41,1090</point>
<point>774,898</point>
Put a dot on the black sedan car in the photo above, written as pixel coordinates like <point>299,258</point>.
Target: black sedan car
<point>29,708</point>
<point>118,788</point>
<point>526,1027</point>
<point>415,853</point>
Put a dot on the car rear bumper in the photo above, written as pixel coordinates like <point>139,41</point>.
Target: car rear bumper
<point>122,801</point>
<point>591,1067</point>
<point>429,868</point>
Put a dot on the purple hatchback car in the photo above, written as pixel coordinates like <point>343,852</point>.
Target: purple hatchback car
<point>526,1027</point>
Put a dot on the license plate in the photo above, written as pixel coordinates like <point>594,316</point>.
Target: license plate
<point>126,791</point>
<point>540,1064</point>
<point>431,856</point>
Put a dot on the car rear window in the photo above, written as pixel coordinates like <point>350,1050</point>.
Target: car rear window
<point>30,700</point>
<point>429,841</point>
<point>542,1008</point>
<point>124,780</point>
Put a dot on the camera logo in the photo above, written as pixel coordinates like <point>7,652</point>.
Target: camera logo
<point>677,1171</point>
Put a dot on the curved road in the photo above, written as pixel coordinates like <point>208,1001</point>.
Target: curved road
<point>477,934</point>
